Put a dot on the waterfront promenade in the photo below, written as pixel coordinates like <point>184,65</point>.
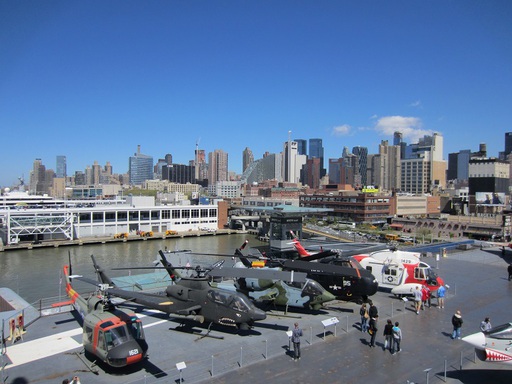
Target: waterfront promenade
<point>112,239</point>
<point>478,287</point>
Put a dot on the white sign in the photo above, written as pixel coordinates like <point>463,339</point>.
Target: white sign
<point>331,321</point>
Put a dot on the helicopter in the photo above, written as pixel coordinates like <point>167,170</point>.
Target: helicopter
<point>341,276</point>
<point>265,284</point>
<point>193,297</point>
<point>113,335</point>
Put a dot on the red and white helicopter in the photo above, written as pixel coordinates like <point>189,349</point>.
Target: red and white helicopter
<point>400,271</point>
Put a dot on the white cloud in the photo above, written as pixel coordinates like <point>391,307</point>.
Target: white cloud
<point>411,127</point>
<point>416,103</point>
<point>341,130</point>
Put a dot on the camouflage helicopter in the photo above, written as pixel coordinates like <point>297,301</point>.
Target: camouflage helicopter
<point>194,298</point>
<point>341,277</point>
<point>266,284</point>
<point>114,336</point>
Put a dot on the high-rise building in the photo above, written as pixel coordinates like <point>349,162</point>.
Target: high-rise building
<point>362,157</point>
<point>37,175</point>
<point>302,146</point>
<point>140,168</point>
<point>217,166</point>
<point>247,158</point>
<point>335,171</point>
<point>397,138</point>
<point>508,144</point>
<point>488,175</point>
<point>96,173</point>
<point>316,149</point>
<point>386,167</point>
<point>178,173</point>
<point>311,173</point>
<point>418,176</point>
<point>289,161</point>
<point>267,168</point>
<point>458,165</point>
<point>61,169</point>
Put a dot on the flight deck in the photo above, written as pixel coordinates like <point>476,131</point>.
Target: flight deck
<point>333,347</point>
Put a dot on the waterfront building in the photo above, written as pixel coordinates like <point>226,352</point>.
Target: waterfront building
<point>352,206</point>
<point>26,218</point>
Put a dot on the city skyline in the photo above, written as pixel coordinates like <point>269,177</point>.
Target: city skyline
<point>93,81</point>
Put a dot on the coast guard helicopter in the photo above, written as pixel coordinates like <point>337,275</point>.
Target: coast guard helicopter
<point>494,345</point>
<point>113,335</point>
<point>193,298</point>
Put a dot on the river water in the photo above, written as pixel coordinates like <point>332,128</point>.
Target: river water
<point>36,273</point>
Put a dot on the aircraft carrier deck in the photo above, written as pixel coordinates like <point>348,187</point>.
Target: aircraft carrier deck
<point>332,354</point>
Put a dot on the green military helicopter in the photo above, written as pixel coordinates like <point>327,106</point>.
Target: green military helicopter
<point>272,285</point>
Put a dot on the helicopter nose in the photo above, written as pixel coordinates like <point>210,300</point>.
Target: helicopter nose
<point>259,314</point>
<point>477,340</point>
<point>327,296</point>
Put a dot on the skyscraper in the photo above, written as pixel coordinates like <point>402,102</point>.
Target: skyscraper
<point>302,146</point>
<point>316,149</point>
<point>61,167</point>
<point>217,166</point>
<point>247,158</point>
<point>508,143</point>
<point>140,168</point>
<point>291,173</point>
<point>362,154</point>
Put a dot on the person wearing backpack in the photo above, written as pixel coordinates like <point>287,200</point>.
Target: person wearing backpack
<point>397,338</point>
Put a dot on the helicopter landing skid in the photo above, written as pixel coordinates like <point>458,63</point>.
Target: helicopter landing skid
<point>207,334</point>
<point>90,367</point>
<point>283,314</point>
<point>186,328</point>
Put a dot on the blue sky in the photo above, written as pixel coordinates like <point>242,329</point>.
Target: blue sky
<point>92,80</point>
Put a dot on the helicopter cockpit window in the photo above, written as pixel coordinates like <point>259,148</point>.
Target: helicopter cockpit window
<point>87,337</point>
<point>431,276</point>
<point>500,332</point>
<point>239,304</point>
<point>294,284</point>
<point>419,273</point>
<point>101,341</point>
<point>115,336</point>
<point>136,330</point>
<point>219,297</point>
<point>312,287</point>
